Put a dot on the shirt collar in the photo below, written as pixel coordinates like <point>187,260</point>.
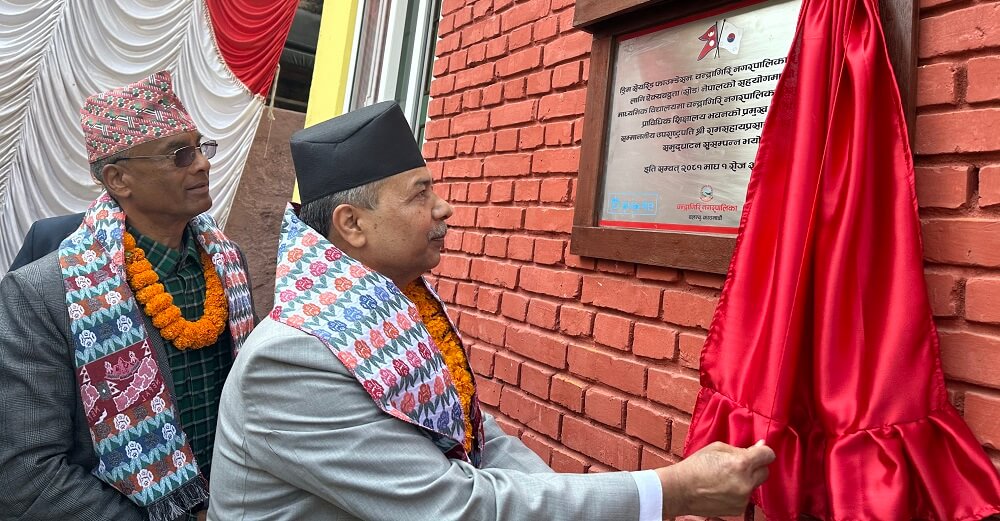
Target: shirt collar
<point>166,260</point>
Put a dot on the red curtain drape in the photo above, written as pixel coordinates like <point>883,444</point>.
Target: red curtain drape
<point>250,35</point>
<point>823,341</point>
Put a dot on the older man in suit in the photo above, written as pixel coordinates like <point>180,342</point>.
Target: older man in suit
<point>354,399</point>
<point>113,349</point>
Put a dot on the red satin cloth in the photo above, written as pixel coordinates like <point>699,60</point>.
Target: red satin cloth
<point>823,341</point>
<point>250,35</point>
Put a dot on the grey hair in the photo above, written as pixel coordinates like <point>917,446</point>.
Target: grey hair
<point>317,213</point>
<point>97,167</point>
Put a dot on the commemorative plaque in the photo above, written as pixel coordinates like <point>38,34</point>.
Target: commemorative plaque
<point>687,105</point>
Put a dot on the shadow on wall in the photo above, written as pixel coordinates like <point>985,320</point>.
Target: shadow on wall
<point>266,186</point>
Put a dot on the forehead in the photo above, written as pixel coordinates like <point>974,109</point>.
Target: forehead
<point>409,180</point>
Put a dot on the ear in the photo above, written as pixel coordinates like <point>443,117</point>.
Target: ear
<point>115,181</point>
<point>344,223</point>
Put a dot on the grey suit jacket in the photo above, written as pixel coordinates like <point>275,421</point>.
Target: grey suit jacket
<point>46,452</point>
<point>299,439</point>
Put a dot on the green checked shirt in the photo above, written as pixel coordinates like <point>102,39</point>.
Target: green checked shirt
<point>198,374</point>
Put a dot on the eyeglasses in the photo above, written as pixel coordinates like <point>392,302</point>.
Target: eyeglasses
<point>183,156</point>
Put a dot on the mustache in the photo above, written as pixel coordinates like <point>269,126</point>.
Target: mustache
<point>438,232</point>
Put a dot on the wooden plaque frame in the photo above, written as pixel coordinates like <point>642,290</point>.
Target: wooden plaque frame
<point>607,19</point>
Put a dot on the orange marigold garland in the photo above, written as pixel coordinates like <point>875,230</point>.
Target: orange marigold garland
<point>159,305</point>
<point>451,349</point>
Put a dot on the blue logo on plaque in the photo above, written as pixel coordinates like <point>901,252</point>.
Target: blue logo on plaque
<point>632,204</point>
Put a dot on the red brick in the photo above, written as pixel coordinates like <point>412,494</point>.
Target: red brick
<point>673,389</point>
<point>657,273</point>
<point>491,27</point>
<point>705,280</point>
<point>429,150</point>
<point>617,371</point>
<point>548,251</point>
<point>943,186</point>
<point>453,267</point>
<point>472,242</point>
<point>531,138</point>
<point>462,216</point>
<point>562,104</point>
<point>574,321</point>
<point>557,283</point>
<point>564,460</point>
<point>493,94</point>
<point>514,89</point>
<point>488,391</point>
<point>539,82</point>
<point>568,391</point>
<point>537,445</point>
<point>484,143</point>
<point>447,190</point>
<point>488,299</point>
<point>653,459</point>
<point>619,267</point>
<point>513,114</point>
<point>576,261</point>
<point>532,413</point>
<point>982,413</point>
<point>519,62</point>
<point>472,99</point>
<point>657,342</point>
<point>446,150</point>
<point>473,34</point>
<point>477,52</point>
<point>435,107</point>
<point>524,14</point>
<point>545,28</point>
<point>519,247</point>
<point>448,6</point>
<point>936,84</point>
<point>508,426</point>
<point>496,47</point>
<point>447,44</point>
<point>500,5</point>
<point>499,217</point>
<point>976,27</point>
<point>483,328</point>
<point>446,26</point>
<point>437,170</point>
<point>690,346</point>
<point>601,444</point>
<point>496,246</point>
<point>958,132</point>
<point>507,165</point>
<point>613,331</point>
<point>567,74</point>
<point>507,140</point>
<point>621,294</point>
<point>962,241</point>
<point>466,295</point>
<point>446,290</point>
<point>506,368</point>
<point>989,185</point>
<point>678,436</point>
<point>463,168</point>
<point>477,192</point>
<point>688,309</point>
<point>549,219</point>
<point>541,347</point>
<point>542,313</point>
<point>942,289</point>
<point>556,161</point>
<point>458,61</point>
<point>453,104</point>
<point>436,129</point>
<point>514,306</point>
<point>478,75</point>
<point>578,125</point>
<point>982,300</point>
<point>559,133</point>
<point>465,144</point>
<point>470,122</point>
<point>502,191</point>
<point>481,359</point>
<point>526,190</point>
<point>971,357</point>
<point>481,8</point>
<point>605,406</point>
<point>494,273</point>
<point>535,379</point>
<point>649,424</point>
<point>567,47</point>
<point>521,37</point>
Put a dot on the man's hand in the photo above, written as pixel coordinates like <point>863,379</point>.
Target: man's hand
<point>202,515</point>
<point>715,481</point>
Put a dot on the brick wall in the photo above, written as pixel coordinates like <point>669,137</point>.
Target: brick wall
<point>594,363</point>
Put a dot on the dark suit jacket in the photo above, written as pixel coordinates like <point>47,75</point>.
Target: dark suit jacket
<point>44,237</point>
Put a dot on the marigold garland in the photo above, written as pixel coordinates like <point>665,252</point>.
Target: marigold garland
<point>159,305</point>
<point>448,343</point>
